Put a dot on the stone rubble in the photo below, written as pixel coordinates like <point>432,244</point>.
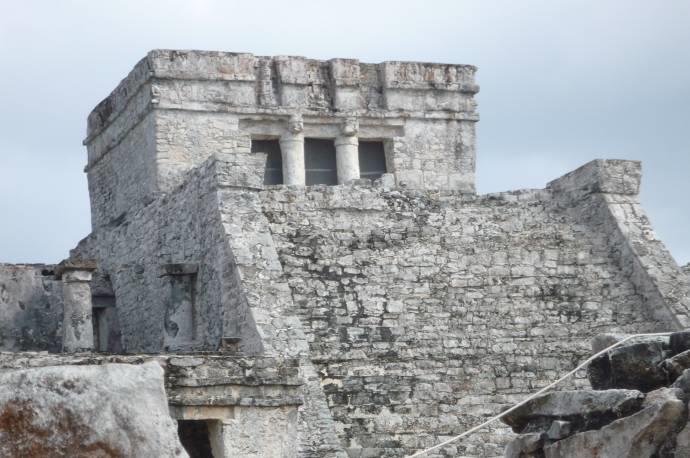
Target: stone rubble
<point>612,421</point>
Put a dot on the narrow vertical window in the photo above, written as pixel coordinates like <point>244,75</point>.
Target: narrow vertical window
<point>180,307</point>
<point>274,160</point>
<point>372,159</point>
<point>319,161</point>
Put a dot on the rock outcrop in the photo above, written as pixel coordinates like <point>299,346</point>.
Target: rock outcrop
<point>113,411</point>
<point>638,407</point>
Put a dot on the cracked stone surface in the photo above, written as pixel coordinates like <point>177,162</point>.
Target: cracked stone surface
<point>113,410</point>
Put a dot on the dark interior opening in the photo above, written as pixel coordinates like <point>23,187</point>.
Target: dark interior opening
<point>319,161</point>
<point>180,311</point>
<point>107,335</point>
<point>194,437</point>
<point>274,160</point>
<point>372,159</point>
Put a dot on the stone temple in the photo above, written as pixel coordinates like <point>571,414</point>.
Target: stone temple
<point>288,258</point>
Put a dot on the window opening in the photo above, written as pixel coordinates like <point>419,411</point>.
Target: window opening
<point>274,160</point>
<point>319,161</point>
<point>372,159</point>
<point>107,336</point>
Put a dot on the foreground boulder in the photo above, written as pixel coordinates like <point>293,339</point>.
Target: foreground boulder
<point>113,410</point>
<point>585,409</point>
<point>636,366</point>
<point>640,435</point>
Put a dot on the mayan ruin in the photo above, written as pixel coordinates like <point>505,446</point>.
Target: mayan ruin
<point>288,258</point>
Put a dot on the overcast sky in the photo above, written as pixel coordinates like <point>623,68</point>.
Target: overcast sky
<point>562,82</point>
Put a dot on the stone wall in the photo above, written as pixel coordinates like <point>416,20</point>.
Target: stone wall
<point>415,313</point>
<point>428,311</point>
<point>606,194</point>
<point>141,252</point>
<point>212,225</point>
<point>30,308</point>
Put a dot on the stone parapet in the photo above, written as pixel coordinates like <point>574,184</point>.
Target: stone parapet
<point>601,176</point>
<point>604,193</point>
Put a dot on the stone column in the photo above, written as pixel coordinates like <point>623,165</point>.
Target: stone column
<point>347,152</point>
<point>77,322</point>
<point>292,151</point>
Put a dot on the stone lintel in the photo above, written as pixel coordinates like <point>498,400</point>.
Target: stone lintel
<point>273,126</point>
<point>189,268</point>
<point>202,412</point>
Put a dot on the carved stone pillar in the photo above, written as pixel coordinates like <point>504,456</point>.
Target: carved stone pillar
<point>77,322</point>
<point>347,152</point>
<point>292,151</point>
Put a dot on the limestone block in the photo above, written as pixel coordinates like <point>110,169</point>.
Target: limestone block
<point>584,409</point>
<point>682,444</point>
<point>604,176</point>
<point>602,341</point>
<point>676,365</point>
<point>525,445</point>
<point>345,75</point>
<point>638,436</point>
<point>114,410</point>
<point>636,366</point>
<point>559,430</point>
<point>257,432</point>
<point>683,383</point>
<point>679,342</point>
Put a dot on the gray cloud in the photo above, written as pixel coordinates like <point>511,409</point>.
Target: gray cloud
<point>562,83</point>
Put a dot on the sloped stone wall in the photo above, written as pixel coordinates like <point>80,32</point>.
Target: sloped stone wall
<point>428,311</point>
<point>182,228</point>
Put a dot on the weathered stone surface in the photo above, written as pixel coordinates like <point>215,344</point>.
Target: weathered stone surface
<point>30,308</point>
<point>636,366</point>
<point>639,435</point>
<point>682,443</point>
<point>583,409</point>
<point>524,445</point>
<point>676,365</point>
<point>112,411</point>
<point>680,342</point>
<point>603,341</point>
<point>683,382</point>
<point>559,429</point>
